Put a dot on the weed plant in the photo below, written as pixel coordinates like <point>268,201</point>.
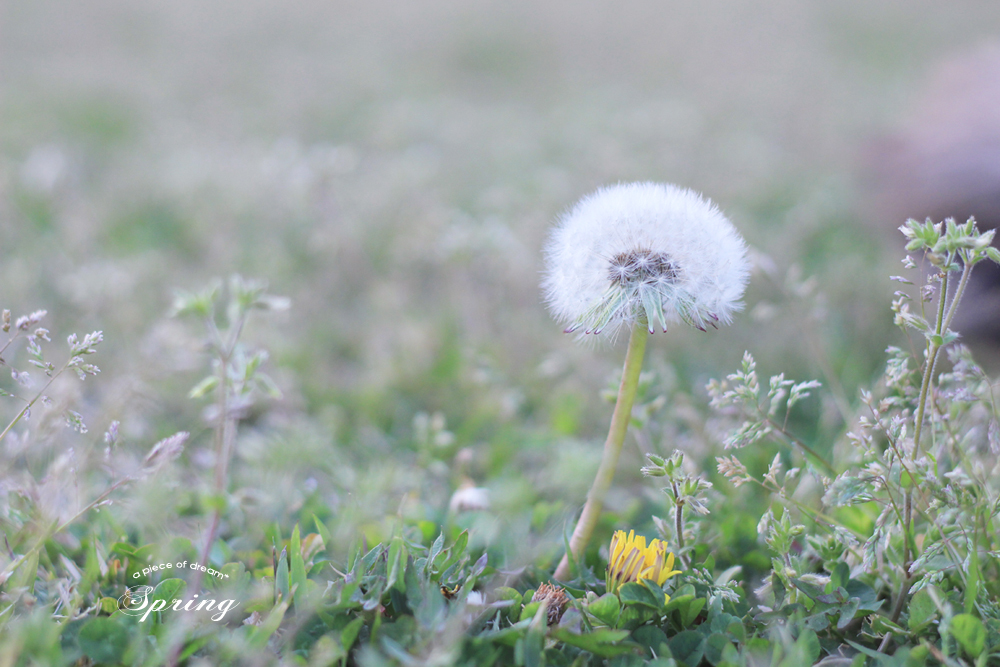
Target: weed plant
<point>875,544</point>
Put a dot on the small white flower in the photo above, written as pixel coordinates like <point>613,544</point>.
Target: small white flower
<point>644,251</point>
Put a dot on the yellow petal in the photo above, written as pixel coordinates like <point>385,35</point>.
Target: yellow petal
<point>659,571</point>
<point>617,547</point>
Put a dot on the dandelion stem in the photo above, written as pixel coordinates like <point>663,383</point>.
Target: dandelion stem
<point>612,448</point>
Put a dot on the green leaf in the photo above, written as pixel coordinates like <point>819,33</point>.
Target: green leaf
<point>193,647</point>
<point>922,610</point>
<point>688,646</point>
<point>810,645</point>
<point>206,385</point>
<point>507,636</point>
<point>528,650</point>
<point>868,600</point>
<point>847,612</point>
<point>458,548</point>
<point>140,558</point>
<point>297,576</point>
<point>435,551</point>
<point>199,305</point>
<point>281,576</point>
<point>715,646</point>
<point>396,564</point>
<point>633,594</point>
<point>103,640</point>
<point>737,631</point>
<point>25,573</point>
<point>259,635</point>
<point>514,609</point>
<point>839,577</point>
<point>972,583</point>
<point>167,590</point>
<point>529,610</point>
<point>477,568</point>
<point>123,549</point>
<point>882,624</point>
<point>678,602</point>
<point>651,637</point>
<point>350,633</point>
<point>323,531</point>
<point>632,617</point>
<point>605,609</point>
<point>369,559</point>
<point>692,611</point>
<point>970,633</point>
<point>603,642</point>
<point>721,622</point>
<point>91,567</point>
<point>871,653</point>
<point>811,590</point>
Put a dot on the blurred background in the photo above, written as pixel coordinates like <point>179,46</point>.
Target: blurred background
<point>394,168</point>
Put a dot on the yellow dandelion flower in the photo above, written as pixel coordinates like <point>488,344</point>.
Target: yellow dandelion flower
<point>631,560</point>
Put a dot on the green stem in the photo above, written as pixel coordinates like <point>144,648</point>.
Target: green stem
<point>612,449</point>
<point>806,449</point>
<point>932,352</point>
<point>31,403</point>
<point>959,292</point>
<point>223,452</point>
<point>679,524</point>
<point>944,317</point>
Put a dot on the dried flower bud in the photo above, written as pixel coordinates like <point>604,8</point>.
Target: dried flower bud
<point>555,599</point>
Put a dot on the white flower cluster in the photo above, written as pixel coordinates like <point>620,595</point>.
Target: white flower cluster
<point>647,252</point>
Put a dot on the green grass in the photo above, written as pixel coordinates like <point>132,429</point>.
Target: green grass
<point>395,171</point>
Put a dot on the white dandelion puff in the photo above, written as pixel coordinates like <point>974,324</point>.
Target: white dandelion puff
<point>644,252</point>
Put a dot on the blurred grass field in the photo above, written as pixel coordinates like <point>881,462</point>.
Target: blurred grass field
<point>394,168</point>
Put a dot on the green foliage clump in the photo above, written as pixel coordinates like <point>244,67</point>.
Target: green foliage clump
<point>875,539</point>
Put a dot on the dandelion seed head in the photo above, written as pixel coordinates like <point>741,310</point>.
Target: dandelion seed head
<point>647,251</point>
